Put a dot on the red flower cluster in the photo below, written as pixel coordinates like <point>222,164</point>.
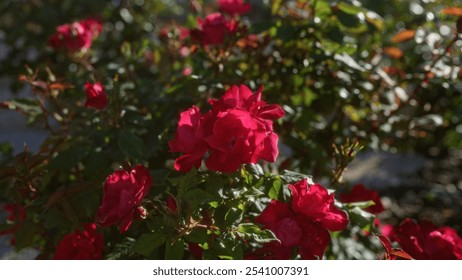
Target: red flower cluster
<point>123,193</point>
<point>234,7</point>
<point>425,241</point>
<point>81,245</point>
<point>76,36</point>
<point>96,96</point>
<point>360,193</point>
<point>17,215</point>
<point>304,224</point>
<point>213,29</point>
<point>238,130</point>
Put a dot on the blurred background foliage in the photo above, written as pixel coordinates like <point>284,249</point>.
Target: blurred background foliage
<point>351,75</point>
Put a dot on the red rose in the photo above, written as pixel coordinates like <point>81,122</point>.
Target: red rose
<point>81,245</point>
<point>234,7</point>
<point>360,193</point>
<point>236,138</point>
<point>213,29</point>
<point>75,36</point>
<point>425,241</point>
<point>123,193</point>
<point>303,224</point>
<point>189,139</point>
<point>17,215</point>
<point>458,250</point>
<point>96,96</point>
<point>315,203</point>
<point>238,130</point>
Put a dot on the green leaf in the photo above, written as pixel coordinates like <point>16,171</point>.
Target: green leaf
<point>374,19</point>
<point>148,242</point>
<point>360,204</point>
<point>227,249</point>
<point>198,197</point>
<point>234,215</point>
<point>361,218</point>
<point>275,189</point>
<point>350,9</point>
<point>292,177</point>
<point>131,145</point>
<point>197,235</point>
<point>252,231</point>
<point>275,6</point>
<point>256,169</point>
<point>122,250</point>
<point>25,235</point>
<point>347,20</point>
<point>67,159</point>
<point>323,9</point>
<point>28,106</point>
<point>174,251</point>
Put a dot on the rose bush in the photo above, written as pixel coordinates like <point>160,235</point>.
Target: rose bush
<point>161,144</point>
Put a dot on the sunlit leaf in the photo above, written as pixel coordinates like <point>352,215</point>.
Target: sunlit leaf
<point>175,250</point>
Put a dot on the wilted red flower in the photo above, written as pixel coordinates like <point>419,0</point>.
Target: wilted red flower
<point>425,241</point>
<point>123,193</point>
<point>76,36</point>
<point>17,215</point>
<point>238,130</point>
<point>234,7</point>
<point>86,244</point>
<point>360,193</point>
<point>213,29</point>
<point>303,224</point>
<point>96,96</point>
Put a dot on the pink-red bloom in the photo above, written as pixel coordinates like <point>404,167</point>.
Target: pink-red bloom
<point>425,241</point>
<point>213,30</point>
<point>304,223</point>
<point>76,36</point>
<point>96,96</point>
<point>86,244</point>
<point>237,130</point>
<point>360,193</point>
<point>123,194</point>
<point>234,7</point>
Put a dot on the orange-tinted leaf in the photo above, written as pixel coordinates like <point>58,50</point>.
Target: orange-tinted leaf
<point>403,36</point>
<point>452,11</point>
<point>400,253</point>
<point>393,52</point>
<point>60,86</point>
